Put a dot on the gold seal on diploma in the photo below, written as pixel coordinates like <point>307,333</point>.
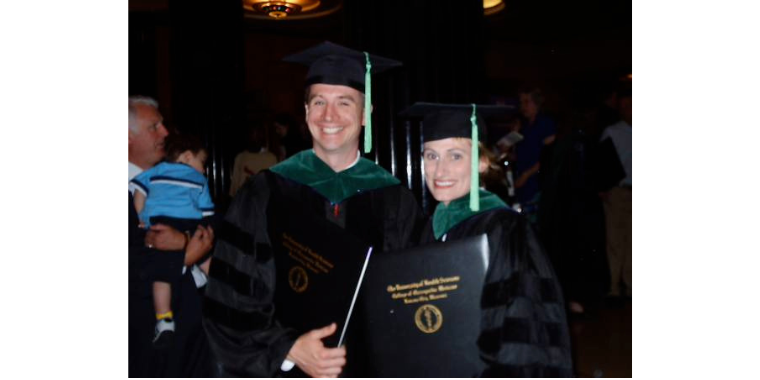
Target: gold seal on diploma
<point>428,318</point>
<point>298,279</point>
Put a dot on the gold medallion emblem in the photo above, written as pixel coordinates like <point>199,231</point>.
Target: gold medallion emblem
<point>298,279</point>
<point>428,318</point>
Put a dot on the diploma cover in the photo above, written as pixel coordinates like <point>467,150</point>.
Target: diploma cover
<point>422,309</point>
<point>319,268</point>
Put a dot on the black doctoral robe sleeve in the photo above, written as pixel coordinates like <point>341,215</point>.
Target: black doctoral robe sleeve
<point>239,311</point>
<point>524,326</point>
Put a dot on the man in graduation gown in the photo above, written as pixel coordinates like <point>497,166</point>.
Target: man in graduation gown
<point>331,182</point>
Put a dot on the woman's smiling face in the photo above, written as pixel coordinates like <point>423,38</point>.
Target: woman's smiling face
<point>448,168</point>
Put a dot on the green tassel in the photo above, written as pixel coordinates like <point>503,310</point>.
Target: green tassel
<point>474,175</point>
<point>367,106</point>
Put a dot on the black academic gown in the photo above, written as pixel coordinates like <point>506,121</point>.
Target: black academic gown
<point>524,329</point>
<point>240,320</point>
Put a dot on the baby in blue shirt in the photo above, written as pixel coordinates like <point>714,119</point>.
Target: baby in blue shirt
<point>174,193</point>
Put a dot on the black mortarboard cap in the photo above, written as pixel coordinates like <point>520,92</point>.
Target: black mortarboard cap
<point>331,63</point>
<point>441,121</point>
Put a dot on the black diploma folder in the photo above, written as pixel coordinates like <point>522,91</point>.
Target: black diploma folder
<point>422,309</point>
<point>319,268</point>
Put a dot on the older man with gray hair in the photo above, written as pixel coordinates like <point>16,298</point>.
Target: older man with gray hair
<point>146,134</point>
<point>189,355</point>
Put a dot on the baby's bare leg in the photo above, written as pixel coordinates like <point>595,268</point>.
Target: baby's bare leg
<point>162,297</point>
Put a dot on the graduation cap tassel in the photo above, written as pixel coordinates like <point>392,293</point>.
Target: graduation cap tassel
<point>367,106</point>
<point>475,160</point>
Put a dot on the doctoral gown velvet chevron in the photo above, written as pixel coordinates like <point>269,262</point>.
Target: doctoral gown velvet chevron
<point>524,329</point>
<point>241,322</point>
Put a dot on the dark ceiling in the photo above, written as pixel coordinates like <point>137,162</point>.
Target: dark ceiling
<point>567,44</point>
<point>557,22</point>
<point>544,22</point>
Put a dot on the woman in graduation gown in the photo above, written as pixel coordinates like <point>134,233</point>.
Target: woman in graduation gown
<point>523,323</point>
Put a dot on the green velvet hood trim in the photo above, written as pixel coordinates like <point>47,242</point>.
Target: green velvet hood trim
<point>446,217</point>
<point>307,169</point>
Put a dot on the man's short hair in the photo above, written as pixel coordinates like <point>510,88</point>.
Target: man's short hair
<point>133,102</point>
